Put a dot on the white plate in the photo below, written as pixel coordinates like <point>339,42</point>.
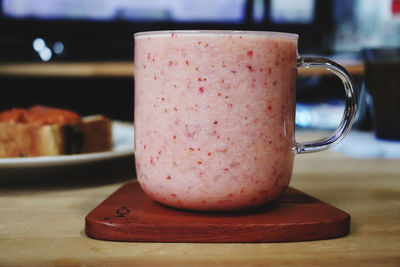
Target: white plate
<point>123,138</point>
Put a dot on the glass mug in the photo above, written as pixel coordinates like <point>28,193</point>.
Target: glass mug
<point>215,116</point>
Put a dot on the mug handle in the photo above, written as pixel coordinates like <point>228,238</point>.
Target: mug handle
<point>350,107</point>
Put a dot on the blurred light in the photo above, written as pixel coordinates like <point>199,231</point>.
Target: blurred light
<point>292,11</point>
<point>258,10</point>
<point>58,47</point>
<point>45,54</point>
<point>325,116</point>
<point>303,117</point>
<point>38,44</point>
<point>133,10</point>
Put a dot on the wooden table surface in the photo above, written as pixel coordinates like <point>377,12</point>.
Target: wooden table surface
<point>42,221</point>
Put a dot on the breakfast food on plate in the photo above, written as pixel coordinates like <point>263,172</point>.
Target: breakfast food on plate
<point>45,131</point>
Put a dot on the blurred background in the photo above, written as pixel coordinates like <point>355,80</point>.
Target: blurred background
<point>79,54</point>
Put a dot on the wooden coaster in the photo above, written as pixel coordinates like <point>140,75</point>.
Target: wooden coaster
<point>130,215</point>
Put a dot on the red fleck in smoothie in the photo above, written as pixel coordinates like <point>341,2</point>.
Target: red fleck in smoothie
<point>214,117</point>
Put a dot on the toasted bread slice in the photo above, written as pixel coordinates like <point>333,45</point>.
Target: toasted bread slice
<point>90,134</point>
<point>97,134</point>
<point>24,140</point>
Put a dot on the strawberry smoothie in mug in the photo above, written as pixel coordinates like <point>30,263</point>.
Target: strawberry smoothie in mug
<point>215,116</point>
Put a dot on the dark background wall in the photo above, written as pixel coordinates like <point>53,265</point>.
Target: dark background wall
<point>113,41</point>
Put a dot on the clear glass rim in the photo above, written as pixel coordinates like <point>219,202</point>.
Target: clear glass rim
<point>166,33</point>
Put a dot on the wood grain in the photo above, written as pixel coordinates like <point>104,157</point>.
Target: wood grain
<point>130,215</point>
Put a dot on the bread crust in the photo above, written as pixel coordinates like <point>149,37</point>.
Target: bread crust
<point>97,134</point>
<point>91,134</point>
<point>24,140</point>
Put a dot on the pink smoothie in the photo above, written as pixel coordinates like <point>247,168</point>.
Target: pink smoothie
<point>214,117</point>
